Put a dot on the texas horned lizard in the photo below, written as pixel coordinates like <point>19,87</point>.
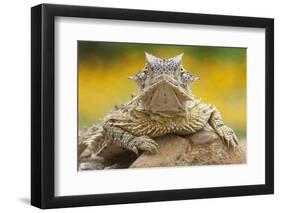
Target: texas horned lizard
<point>163,104</point>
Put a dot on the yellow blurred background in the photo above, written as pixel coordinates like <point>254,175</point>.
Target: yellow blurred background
<point>104,67</point>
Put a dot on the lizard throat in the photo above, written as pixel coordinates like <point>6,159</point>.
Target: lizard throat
<point>165,99</point>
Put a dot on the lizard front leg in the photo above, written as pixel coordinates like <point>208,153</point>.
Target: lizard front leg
<point>226,133</point>
<point>129,141</point>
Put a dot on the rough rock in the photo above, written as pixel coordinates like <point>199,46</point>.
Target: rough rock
<point>114,158</point>
<point>201,148</point>
<point>171,147</point>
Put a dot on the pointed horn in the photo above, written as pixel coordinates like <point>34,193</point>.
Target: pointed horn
<point>149,58</point>
<point>195,78</point>
<point>178,58</point>
<point>132,77</point>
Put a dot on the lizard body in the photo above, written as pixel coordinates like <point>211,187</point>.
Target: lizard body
<point>164,104</point>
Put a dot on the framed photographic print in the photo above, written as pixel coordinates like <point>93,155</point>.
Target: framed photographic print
<point>139,106</point>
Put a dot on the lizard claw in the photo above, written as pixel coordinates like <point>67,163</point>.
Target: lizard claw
<point>146,144</point>
<point>228,136</point>
<point>135,150</point>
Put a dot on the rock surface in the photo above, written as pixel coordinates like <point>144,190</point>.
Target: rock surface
<point>201,148</point>
<point>171,148</point>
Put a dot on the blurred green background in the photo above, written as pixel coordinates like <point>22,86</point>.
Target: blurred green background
<point>104,68</point>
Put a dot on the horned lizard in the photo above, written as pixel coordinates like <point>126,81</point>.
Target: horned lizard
<point>164,104</point>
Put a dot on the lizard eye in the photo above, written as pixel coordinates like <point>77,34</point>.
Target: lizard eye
<point>142,75</point>
<point>185,76</point>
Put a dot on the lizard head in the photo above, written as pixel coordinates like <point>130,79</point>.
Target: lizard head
<point>164,85</point>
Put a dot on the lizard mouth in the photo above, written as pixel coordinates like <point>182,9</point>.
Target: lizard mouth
<point>165,97</point>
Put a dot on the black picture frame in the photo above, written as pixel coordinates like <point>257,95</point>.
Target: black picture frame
<point>43,102</point>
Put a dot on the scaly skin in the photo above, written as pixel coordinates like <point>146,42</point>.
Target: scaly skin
<point>164,104</point>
